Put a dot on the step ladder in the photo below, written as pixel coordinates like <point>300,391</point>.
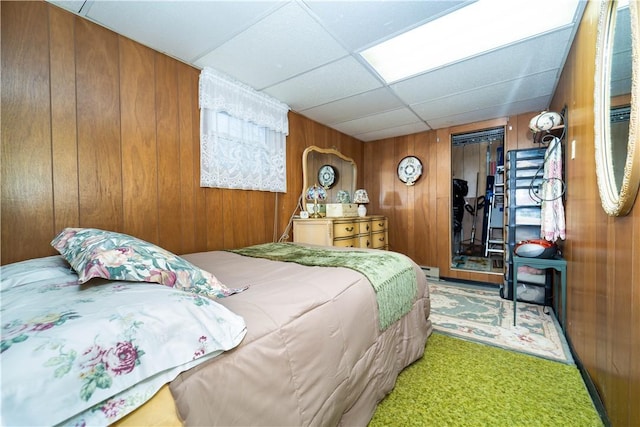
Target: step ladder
<point>494,243</point>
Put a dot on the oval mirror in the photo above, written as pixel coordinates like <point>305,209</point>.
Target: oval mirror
<point>616,99</point>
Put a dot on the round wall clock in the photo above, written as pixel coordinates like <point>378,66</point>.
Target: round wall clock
<point>327,176</point>
<point>409,170</point>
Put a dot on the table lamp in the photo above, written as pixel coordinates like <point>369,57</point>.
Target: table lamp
<point>315,193</point>
<point>361,197</point>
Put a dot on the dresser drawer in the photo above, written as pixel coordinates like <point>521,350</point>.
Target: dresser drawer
<point>364,241</point>
<point>364,227</point>
<point>379,240</point>
<point>344,229</point>
<point>346,242</point>
<point>378,225</point>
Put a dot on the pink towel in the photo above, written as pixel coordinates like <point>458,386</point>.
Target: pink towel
<point>553,222</point>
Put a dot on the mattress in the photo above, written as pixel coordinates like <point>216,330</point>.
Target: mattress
<point>314,353</point>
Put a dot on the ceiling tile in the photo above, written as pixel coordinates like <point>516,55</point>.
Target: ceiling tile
<point>286,43</point>
<point>354,107</point>
<point>359,24</point>
<point>391,132</point>
<point>399,117</point>
<point>502,93</point>
<point>71,5</point>
<point>182,29</point>
<point>331,82</point>
<point>492,112</point>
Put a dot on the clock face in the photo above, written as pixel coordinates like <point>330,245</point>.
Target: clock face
<point>327,176</point>
<point>409,170</point>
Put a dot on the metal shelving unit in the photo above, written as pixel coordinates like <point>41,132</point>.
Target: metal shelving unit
<point>524,174</point>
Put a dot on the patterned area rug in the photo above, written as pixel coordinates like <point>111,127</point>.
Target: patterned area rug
<point>480,314</point>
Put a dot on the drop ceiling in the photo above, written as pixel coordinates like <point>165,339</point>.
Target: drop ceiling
<point>305,53</point>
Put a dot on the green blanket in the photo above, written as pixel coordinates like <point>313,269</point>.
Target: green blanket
<point>391,274</point>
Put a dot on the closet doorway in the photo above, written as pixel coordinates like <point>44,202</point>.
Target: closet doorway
<point>477,167</point>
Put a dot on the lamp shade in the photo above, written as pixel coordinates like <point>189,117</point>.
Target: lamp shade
<point>316,192</point>
<point>361,196</point>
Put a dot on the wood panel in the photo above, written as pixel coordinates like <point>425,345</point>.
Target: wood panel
<point>168,151</point>
<point>602,252</point>
<point>202,222</point>
<point>27,188</point>
<point>63,119</point>
<point>187,160</point>
<point>98,115</point>
<point>138,140</point>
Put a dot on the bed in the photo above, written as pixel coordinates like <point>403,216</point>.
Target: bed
<point>299,341</point>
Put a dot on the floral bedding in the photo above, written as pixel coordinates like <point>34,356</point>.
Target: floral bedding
<point>89,354</point>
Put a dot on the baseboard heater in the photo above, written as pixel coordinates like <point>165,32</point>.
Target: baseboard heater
<point>431,272</point>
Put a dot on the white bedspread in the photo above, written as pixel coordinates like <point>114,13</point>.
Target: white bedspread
<point>89,355</point>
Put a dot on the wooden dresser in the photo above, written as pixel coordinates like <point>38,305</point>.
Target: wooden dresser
<point>357,232</point>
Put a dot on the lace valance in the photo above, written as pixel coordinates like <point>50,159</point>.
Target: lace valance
<point>221,93</point>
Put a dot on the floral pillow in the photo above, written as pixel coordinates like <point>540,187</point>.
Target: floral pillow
<point>116,256</point>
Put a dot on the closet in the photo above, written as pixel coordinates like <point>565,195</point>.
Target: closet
<point>477,165</point>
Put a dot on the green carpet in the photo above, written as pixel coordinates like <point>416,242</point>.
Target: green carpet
<point>462,383</point>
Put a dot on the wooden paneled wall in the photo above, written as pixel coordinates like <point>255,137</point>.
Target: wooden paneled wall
<point>603,252</point>
<point>420,215</point>
<point>100,131</point>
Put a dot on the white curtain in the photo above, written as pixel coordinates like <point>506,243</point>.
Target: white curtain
<point>242,136</point>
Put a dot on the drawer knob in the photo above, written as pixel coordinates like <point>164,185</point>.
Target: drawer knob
<point>348,228</point>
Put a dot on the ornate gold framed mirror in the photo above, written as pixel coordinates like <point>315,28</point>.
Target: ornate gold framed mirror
<point>616,106</point>
<point>329,168</point>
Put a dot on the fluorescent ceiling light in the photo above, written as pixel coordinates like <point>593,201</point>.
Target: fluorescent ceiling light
<point>479,27</point>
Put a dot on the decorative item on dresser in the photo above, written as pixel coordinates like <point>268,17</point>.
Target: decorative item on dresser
<point>314,194</point>
<point>361,197</point>
<point>359,232</point>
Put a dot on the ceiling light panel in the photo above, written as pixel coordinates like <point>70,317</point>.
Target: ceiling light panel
<point>469,31</point>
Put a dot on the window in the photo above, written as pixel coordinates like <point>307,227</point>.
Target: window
<point>242,136</point>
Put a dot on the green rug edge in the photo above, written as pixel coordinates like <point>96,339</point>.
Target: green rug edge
<point>459,382</point>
